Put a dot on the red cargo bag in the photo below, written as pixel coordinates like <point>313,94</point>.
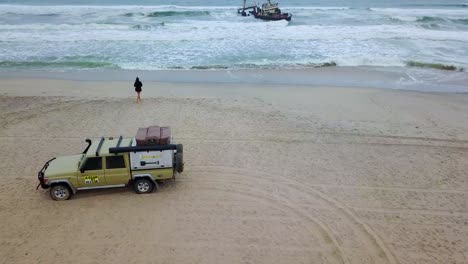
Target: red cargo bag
<point>154,135</point>
<point>141,136</point>
<point>165,136</point>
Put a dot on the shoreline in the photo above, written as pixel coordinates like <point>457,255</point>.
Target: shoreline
<point>399,78</point>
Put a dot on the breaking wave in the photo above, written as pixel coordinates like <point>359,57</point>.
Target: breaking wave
<point>192,13</point>
<point>262,66</point>
<point>148,27</point>
<point>460,5</point>
<point>438,66</point>
<point>321,8</point>
<point>57,64</point>
<point>429,19</point>
<point>178,13</point>
<point>134,14</point>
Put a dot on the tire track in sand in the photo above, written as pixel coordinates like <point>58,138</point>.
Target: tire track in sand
<point>296,193</point>
<point>326,233</point>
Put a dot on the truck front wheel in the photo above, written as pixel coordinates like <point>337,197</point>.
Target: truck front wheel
<point>143,185</point>
<point>60,192</point>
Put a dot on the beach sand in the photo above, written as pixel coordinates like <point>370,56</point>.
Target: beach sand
<point>274,174</point>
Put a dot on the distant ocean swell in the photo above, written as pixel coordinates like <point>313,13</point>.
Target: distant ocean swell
<point>460,5</point>
<point>215,37</point>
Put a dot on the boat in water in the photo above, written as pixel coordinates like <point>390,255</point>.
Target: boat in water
<point>268,11</point>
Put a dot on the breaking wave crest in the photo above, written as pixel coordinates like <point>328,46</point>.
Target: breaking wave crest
<point>193,13</point>
<point>57,64</point>
<point>178,13</point>
<point>430,19</point>
<point>438,66</point>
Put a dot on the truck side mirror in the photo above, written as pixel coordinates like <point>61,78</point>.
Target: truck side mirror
<point>82,170</point>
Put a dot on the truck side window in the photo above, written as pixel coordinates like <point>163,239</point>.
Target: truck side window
<point>93,164</point>
<point>115,162</point>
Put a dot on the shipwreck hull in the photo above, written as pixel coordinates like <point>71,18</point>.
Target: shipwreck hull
<point>286,17</point>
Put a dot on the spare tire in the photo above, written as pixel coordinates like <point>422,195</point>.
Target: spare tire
<point>179,162</point>
<point>180,148</point>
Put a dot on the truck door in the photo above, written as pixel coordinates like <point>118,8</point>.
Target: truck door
<point>92,173</point>
<point>117,171</point>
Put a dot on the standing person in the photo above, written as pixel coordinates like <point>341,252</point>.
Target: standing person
<point>138,90</point>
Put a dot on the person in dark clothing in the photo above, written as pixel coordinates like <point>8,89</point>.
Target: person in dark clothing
<point>138,89</point>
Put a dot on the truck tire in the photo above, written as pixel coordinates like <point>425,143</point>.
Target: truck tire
<point>60,192</point>
<point>180,148</point>
<point>143,185</point>
<point>179,162</point>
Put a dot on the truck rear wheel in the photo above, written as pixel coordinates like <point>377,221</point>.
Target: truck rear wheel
<point>143,185</point>
<point>179,162</point>
<point>60,192</point>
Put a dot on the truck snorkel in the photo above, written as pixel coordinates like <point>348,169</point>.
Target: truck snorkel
<point>89,145</point>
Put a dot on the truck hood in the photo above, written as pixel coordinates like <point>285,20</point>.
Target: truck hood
<point>63,165</point>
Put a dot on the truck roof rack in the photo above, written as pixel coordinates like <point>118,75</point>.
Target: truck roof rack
<point>118,142</point>
<point>99,146</point>
<point>142,148</point>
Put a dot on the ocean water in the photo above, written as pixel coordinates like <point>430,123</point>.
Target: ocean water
<point>197,34</point>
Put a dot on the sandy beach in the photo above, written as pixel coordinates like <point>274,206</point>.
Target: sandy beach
<point>274,174</point>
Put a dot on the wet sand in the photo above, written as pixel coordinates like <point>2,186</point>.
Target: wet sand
<point>401,78</point>
<point>274,174</point>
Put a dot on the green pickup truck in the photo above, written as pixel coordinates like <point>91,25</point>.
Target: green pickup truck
<point>112,162</point>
